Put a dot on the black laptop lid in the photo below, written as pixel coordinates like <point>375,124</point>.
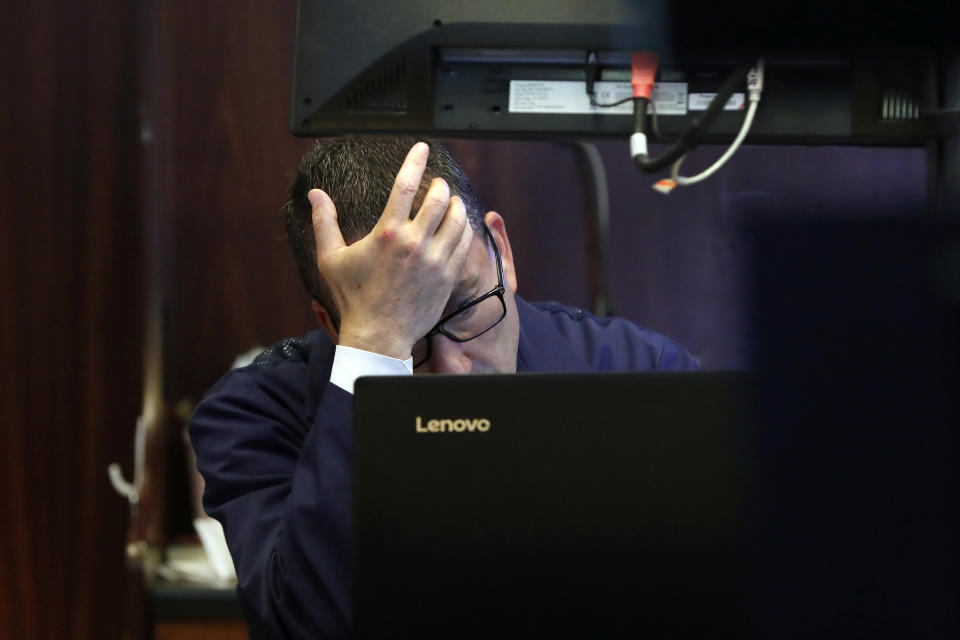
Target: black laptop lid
<point>553,506</point>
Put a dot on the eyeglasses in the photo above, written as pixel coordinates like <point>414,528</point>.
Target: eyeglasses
<point>470,320</point>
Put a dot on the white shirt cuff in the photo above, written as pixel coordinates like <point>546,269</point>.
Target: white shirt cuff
<point>349,364</point>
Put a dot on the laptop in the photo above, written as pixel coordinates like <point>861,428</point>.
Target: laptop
<point>549,506</point>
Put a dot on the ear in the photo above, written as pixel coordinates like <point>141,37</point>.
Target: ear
<point>499,231</point>
<point>323,318</point>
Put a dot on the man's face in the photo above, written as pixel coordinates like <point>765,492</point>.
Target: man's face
<point>496,350</point>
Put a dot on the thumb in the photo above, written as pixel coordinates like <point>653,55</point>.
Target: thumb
<point>326,231</point>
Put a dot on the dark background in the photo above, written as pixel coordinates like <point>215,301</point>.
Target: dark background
<point>144,159</point>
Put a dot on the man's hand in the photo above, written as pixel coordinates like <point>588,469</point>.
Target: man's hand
<point>391,286</point>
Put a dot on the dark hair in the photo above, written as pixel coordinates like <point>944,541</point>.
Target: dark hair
<point>358,173</point>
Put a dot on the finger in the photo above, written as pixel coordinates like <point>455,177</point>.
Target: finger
<point>435,205</point>
<point>326,230</point>
<point>459,254</point>
<point>406,185</point>
<point>451,226</point>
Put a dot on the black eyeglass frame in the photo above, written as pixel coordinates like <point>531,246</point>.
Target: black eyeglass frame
<point>496,291</point>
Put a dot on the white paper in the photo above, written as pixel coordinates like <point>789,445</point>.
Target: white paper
<point>215,545</point>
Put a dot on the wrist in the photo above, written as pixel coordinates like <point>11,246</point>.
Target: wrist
<point>379,342</point>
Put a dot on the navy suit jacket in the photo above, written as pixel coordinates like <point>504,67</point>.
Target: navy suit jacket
<point>274,444</point>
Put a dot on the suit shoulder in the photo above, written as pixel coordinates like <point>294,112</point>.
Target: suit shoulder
<point>616,343</point>
<point>280,360</point>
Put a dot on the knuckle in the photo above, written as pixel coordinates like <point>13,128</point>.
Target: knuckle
<point>411,247</point>
<point>438,194</point>
<point>436,263</point>
<point>407,187</point>
<point>435,201</point>
<point>386,236</point>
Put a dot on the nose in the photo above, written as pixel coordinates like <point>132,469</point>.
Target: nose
<point>448,356</point>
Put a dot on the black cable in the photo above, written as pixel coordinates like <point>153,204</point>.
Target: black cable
<point>592,73</point>
<point>688,140</point>
<point>594,103</point>
<point>599,193</point>
<point>640,115</point>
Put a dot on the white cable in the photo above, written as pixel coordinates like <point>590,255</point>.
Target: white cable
<point>755,88</point>
<point>684,181</point>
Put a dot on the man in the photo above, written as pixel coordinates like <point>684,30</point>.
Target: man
<point>408,274</point>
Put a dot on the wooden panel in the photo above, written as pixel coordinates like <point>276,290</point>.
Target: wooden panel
<point>232,285</point>
<point>219,165</point>
<point>200,631</point>
<point>71,313</point>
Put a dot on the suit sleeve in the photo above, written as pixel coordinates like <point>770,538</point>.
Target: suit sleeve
<point>282,488</point>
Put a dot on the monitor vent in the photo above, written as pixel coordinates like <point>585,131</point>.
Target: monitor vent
<point>898,106</point>
<point>385,91</point>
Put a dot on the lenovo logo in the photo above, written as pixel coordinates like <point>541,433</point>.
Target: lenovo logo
<point>458,425</point>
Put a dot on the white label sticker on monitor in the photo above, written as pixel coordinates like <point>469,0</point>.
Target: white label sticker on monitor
<point>670,98</point>
<point>700,101</point>
<point>570,97</point>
